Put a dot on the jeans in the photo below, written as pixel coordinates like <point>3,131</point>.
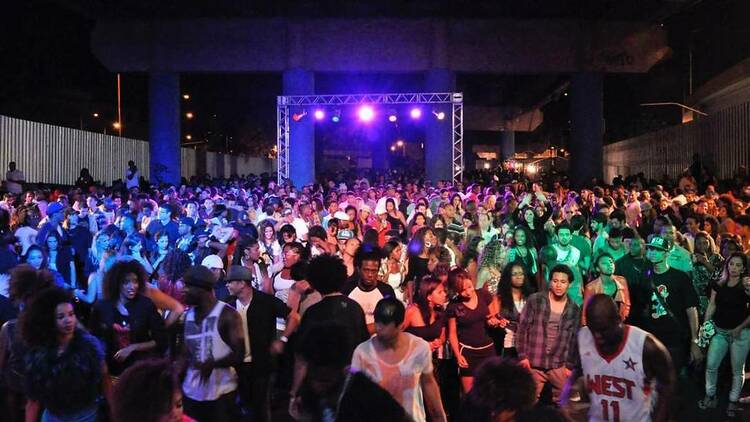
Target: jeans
<point>717,349</point>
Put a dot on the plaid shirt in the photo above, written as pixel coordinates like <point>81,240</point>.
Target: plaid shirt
<point>531,337</point>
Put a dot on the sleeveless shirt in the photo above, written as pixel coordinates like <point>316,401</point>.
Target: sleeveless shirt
<point>616,383</point>
<point>203,343</point>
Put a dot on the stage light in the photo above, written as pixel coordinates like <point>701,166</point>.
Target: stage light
<point>336,116</point>
<point>319,114</point>
<point>95,114</point>
<point>298,116</point>
<point>366,113</point>
<point>393,148</point>
<point>185,96</point>
<point>188,137</point>
<point>439,114</point>
<point>487,166</point>
<point>400,143</point>
<point>189,115</point>
<point>531,168</point>
<point>392,118</point>
<point>116,125</point>
<point>415,113</point>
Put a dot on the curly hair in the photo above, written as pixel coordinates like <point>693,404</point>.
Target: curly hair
<point>37,322</point>
<point>26,282</point>
<point>144,391</point>
<point>500,384</point>
<point>326,273</point>
<point>114,277</point>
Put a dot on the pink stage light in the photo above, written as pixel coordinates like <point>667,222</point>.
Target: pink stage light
<point>392,118</point>
<point>415,113</point>
<point>366,113</point>
<point>319,114</point>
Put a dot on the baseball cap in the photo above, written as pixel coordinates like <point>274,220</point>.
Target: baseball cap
<point>658,242</point>
<point>212,261</point>
<point>238,273</point>
<point>344,235</point>
<point>341,216</point>
<point>199,276</point>
<point>54,207</point>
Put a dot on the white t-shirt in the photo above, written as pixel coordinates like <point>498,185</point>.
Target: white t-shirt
<point>367,300</point>
<point>26,237</point>
<point>132,183</point>
<point>402,379</point>
<point>14,187</point>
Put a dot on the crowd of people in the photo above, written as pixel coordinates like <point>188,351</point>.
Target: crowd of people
<point>367,297</point>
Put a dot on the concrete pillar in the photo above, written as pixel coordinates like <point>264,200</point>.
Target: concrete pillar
<point>298,81</point>
<point>507,144</point>
<point>438,141</point>
<point>164,127</point>
<point>587,128</point>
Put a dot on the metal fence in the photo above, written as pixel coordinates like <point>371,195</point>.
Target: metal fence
<point>54,154</point>
<point>722,139</point>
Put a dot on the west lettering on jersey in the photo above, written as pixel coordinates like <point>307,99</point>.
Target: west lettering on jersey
<point>608,385</point>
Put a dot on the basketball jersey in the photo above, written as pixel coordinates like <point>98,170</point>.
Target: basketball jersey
<point>204,343</point>
<point>616,384</point>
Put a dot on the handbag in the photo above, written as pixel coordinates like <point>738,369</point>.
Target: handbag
<point>705,333</point>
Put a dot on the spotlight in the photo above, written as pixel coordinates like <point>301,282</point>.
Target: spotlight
<point>400,143</point>
<point>531,168</point>
<point>336,117</point>
<point>298,116</point>
<point>319,114</point>
<point>366,113</point>
<point>393,148</point>
<point>392,118</point>
<point>189,115</point>
<point>415,113</point>
<point>439,114</point>
<point>487,166</point>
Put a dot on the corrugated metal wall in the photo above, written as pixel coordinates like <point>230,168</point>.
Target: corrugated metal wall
<point>722,139</point>
<point>54,154</point>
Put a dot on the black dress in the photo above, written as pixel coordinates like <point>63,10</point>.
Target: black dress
<point>475,345</point>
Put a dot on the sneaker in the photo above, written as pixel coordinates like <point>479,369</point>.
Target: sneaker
<point>707,402</point>
<point>733,409</point>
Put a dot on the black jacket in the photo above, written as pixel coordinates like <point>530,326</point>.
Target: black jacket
<point>261,325</point>
<point>145,324</point>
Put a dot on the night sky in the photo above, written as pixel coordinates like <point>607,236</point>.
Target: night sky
<point>48,74</point>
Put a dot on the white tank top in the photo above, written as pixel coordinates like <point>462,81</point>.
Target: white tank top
<point>616,383</point>
<point>204,342</point>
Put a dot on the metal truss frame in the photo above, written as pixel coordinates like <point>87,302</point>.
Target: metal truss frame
<point>283,104</point>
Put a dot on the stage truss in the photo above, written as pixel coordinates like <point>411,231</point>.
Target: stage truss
<point>283,113</point>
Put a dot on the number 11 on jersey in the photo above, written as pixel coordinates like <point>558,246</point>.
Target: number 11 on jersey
<point>615,405</point>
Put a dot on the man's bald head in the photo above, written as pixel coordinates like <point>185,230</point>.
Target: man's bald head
<point>602,307</point>
<point>603,319</point>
